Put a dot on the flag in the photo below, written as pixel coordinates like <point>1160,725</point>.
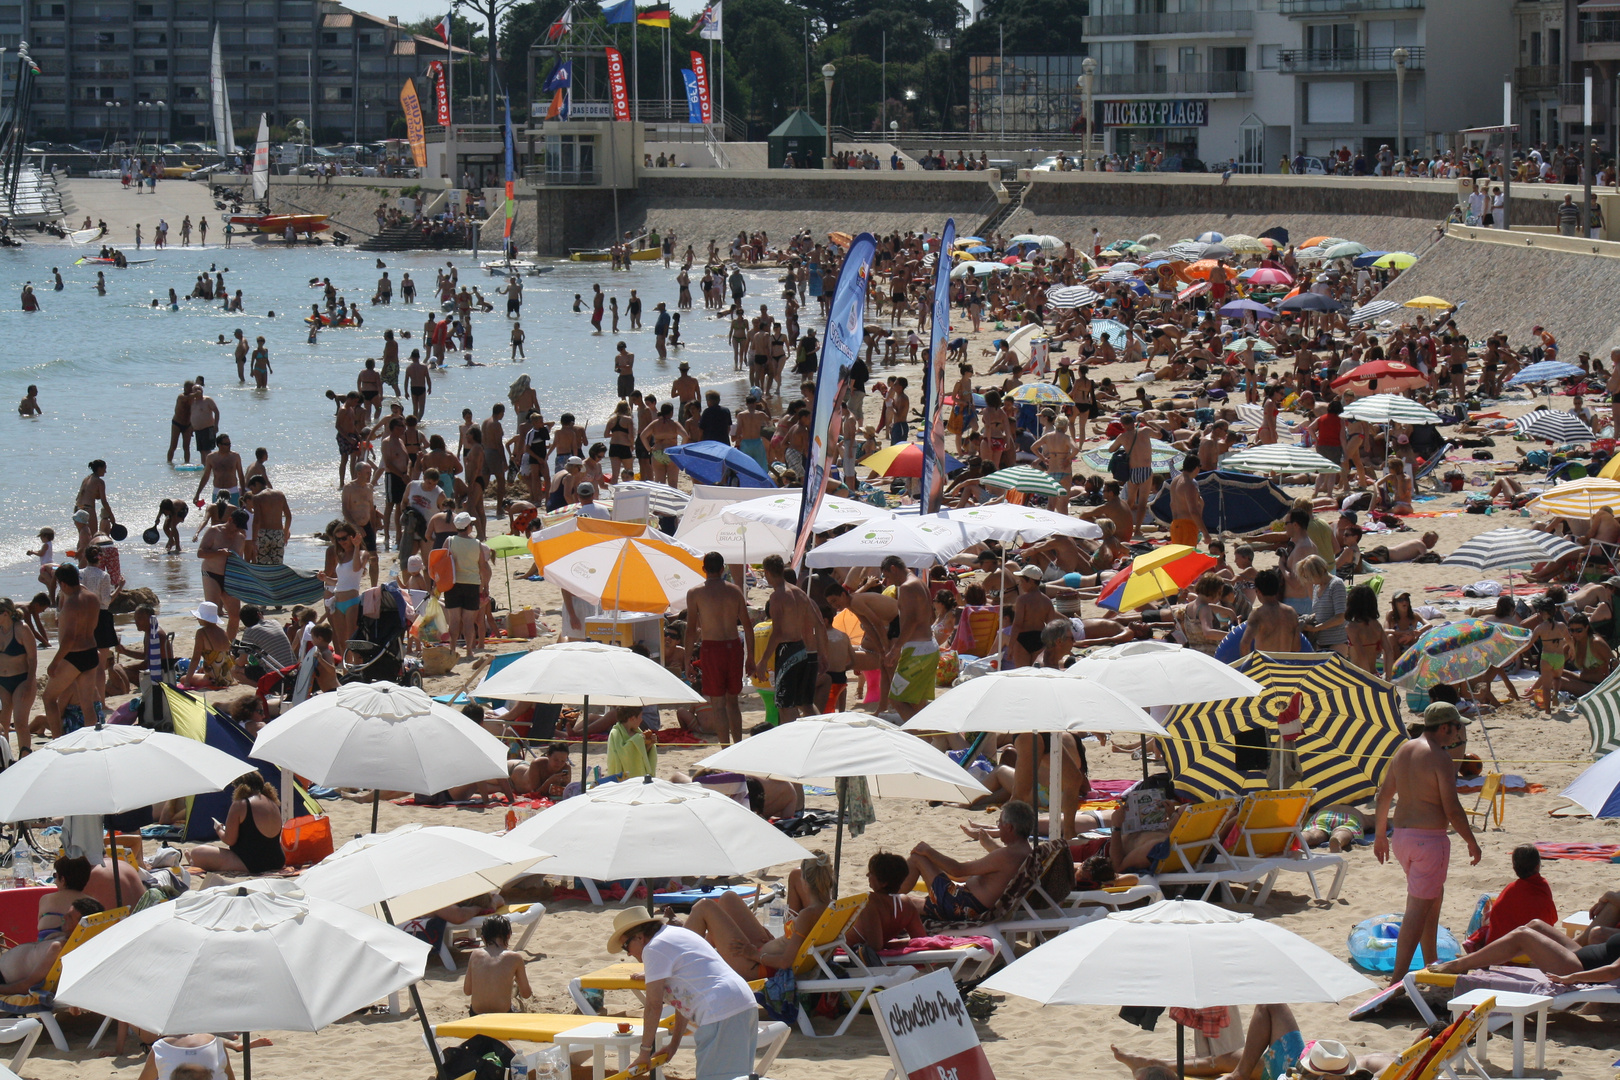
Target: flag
<point>933,467</point>
<point>839,348</point>
<point>443,29</point>
<point>654,17</point>
<point>563,24</point>
<point>700,75</point>
<point>624,12</point>
<point>441,93</point>
<point>694,105</point>
<point>708,24</point>
<point>412,108</point>
<point>560,85</point>
<point>616,90</point>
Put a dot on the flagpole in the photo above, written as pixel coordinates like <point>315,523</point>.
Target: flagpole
<point>635,69</point>
<point>450,99</point>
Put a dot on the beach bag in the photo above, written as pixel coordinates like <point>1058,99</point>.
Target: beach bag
<point>1119,465</point>
<point>481,1057</point>
<point>307,840</point>
<point>779,997</point>
<point>430,622</point>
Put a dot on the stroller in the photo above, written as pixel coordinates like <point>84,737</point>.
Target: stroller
<point>376,652</point>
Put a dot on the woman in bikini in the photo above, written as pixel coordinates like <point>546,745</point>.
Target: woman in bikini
<point>1204,621</point>
<point>345,564</point>
<point>887,915</point>
<point>1404,626</point>
<point>1365,636</point>
<point>1552,634</point>
<point>19,674</point>
<point>749,947</point>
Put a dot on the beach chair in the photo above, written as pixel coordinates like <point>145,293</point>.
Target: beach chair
<point>527,916</point>
<point>1491,803</point>
<point>1016,915</point>
<point>1270,825</point>
<point>25,1031</point>
<point>772,1035</point>
<point>1405,1067</point>
<point>1427,468</point>
<point>1453,1045</point>
<point>1506,979</point>
<point>40,1003</point>
<point>1195,839</point>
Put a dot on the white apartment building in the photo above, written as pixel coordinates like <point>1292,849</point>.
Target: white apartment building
<point>1258,80</point>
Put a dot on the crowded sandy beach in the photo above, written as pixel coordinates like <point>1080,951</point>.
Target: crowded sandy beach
<point>1315,589</point>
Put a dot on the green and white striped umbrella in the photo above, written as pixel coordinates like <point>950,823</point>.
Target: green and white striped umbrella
<point>1023,478</point>
<point>1279,458</point>
<point>1391,409</point>
<point>1601,708</point>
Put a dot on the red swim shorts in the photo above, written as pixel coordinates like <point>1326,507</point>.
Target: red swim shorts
<point>722,668</point>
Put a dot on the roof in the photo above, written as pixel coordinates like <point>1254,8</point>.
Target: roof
<point>798,123</point>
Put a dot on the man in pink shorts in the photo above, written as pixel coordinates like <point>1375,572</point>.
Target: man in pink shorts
<point>1422,781</point>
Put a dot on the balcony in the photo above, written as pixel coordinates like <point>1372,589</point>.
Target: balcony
<point>1309,61</point>
<point>1180,23</point>
<point>1178,82</point>
<point>1298,8</point>
<point>1598,38</point>
<point>1536,76</point>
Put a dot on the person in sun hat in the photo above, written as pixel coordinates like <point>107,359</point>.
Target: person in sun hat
<point>682,969</point>
<point>1272,1047</point>
<point>211,662</point>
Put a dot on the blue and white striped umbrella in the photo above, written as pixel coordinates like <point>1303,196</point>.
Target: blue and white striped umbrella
<point>1545,372</point>
<point>1553,425</point>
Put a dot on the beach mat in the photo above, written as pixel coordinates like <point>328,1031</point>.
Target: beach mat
<point>270,586</point>
<point>1580,852</point>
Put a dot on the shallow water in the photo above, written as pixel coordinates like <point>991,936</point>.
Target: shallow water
<point>109,368</point>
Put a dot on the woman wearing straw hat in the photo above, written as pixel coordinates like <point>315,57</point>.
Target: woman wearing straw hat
<point>706,994</point>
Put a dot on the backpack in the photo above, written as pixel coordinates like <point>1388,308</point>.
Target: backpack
<point>480,1057</point>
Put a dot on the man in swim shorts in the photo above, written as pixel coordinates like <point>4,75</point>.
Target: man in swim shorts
<point>798,637</point>
<point>717,617</point>
<point>915,654</point>
<point>1422,782</point>
<point>72,675</point>
<point>969,891</point>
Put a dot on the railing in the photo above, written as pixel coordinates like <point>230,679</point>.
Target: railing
<point>1380,59</point>
<point>1537,75</point>
<point>1345,7</point>
<point>1176,82</point>
<point>1593,30</point>
<point>716,148</point>
<point>1168,22</point>
<point>544,176</point>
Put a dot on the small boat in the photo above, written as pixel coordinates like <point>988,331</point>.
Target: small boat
<point>276,224</point>
<point>98,261</point>
<point>85,236</point>
<point>505,268</point>
<point>651,254</point>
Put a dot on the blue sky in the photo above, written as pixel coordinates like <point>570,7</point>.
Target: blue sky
<point>410,10</point>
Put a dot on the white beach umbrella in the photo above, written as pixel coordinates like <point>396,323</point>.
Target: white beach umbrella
<point>415,870</point>
<point>1072,296</point>
<point>1553,425</point>
<point>1178,953</point>
<point>782,511</point>
<point>739,542</point>
<point>919,541</point>
<point>1509,547</point>
<point>1597,790</point>
<point>384,737</point>
<point>1151,674</point>
<point>662,500</point>
<point>109,770</point>
<point>1030,700</point>
<point>652,828</point>
<point>251,956</point>
<point>1008,521</point>
<point>1278,458</point>
<point>571,671</point>
<point>1391,409</point>
<point>825,749</point>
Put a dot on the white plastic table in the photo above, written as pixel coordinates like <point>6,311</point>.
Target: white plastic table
<point>1517,1006</point>
<point>599,1036</point>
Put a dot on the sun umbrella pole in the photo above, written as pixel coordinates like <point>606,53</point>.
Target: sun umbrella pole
<point>842,786</point>
<point>376,804</point>
<point>1181,1050</point>
<point>112,840</point>
<point>585,745</point>
<point>1054,785</point>
<point>416,999</point>
<point>247,1055</point>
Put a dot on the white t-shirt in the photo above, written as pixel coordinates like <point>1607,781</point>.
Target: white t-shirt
<point>697,983</point>
<point>423,497</point>
<point>591,510</point>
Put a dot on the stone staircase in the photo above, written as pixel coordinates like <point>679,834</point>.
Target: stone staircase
<point>1015,199</point>
<point>401,237</point>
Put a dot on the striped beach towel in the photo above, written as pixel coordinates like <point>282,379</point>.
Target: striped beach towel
<point>270,586</point>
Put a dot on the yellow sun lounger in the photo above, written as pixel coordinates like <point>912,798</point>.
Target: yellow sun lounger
<point>521,1027</point>
<point>1270,836</point>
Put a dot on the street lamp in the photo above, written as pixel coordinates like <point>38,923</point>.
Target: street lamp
<point>1088,78</point>
<point>1400,56</point>
<point>110,105</point>
<point>827,73</point>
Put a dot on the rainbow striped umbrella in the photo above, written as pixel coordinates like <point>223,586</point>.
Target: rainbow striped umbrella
<point>1154,576</point>
<point>1040,393</point>
<point>1352,725</point>
<point>1456,652</point>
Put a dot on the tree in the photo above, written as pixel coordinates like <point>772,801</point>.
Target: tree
<point>526,25</point>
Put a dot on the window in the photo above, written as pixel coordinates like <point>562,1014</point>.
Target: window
<point>151,65</point>
<point>337,93</point>
<point>297,38</point>
<point>10,13</point>
<point>50,11</point>
<point>190,9</point>
<point>1268,57</point>
<point>374,65</point>
<point>1378,102</point>
<point>151,11</point>
<point>294,94</point>
<point>1330,103</point>
<point>265,66</point>
<point>1553,36</point>
<point>194,39</point>
<point>1535,48</point>
<point>1115,57</point>
<point>1187,59</point>
<point>293,65</point>
<point>260,38</point>
<point>151,39</point>
<point>191,93</point>
<point>261,93</point>
<point>259,10</point>
<point>1330,37</point>
<point>1224,58</point>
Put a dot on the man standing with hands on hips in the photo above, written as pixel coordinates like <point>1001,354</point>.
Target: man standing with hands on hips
<point>706,993</point>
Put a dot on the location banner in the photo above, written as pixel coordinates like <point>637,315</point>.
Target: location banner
<point>413,122</point>
<point>701,70</point>
<point>616,89</point>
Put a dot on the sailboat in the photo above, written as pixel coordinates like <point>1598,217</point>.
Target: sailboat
<point>274,224</point>
<point>507,265</point>
<point>224,134</point>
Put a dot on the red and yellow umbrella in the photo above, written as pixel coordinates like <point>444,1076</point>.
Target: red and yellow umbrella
<point>1154,576</point>
<point>903,459</point>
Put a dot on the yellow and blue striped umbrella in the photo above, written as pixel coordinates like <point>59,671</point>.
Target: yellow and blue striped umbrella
<point>1351,719</point>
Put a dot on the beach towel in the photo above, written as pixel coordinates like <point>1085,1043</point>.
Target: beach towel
<point>933,942</point>
<point>270,586</point>
<point>857,800</point>
<point>1580,852</point>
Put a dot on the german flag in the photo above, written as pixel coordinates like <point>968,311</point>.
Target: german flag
<point>658,16</point>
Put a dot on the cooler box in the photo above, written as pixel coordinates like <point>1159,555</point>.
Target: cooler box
<point>626,630</point>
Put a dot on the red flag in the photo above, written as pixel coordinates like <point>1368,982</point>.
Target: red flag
<point>561,27</point>
<point>441,93</point>
<point>1288,723</point>
<point>616,90</point>
<point>443,29</point>
<point>702,73</point>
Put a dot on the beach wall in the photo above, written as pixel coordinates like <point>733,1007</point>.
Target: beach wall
<point>1385,214</point>
<point>1514,281</point>
<point>351,201</point>
<point>700,205</point>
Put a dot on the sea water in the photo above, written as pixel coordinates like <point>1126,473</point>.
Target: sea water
<point>109,368</point>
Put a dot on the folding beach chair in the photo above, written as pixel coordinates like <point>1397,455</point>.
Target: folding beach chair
<point>1197,858</point>
<point>1270,834</point>
<point>40,1003</point>
<point>527,916</point>
<point>1507,979</point>
<point>1014,916</point>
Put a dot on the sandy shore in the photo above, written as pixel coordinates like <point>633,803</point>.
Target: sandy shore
<point>1020,1039</point>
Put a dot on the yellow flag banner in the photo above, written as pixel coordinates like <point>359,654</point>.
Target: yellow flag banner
<point>413,122</point>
